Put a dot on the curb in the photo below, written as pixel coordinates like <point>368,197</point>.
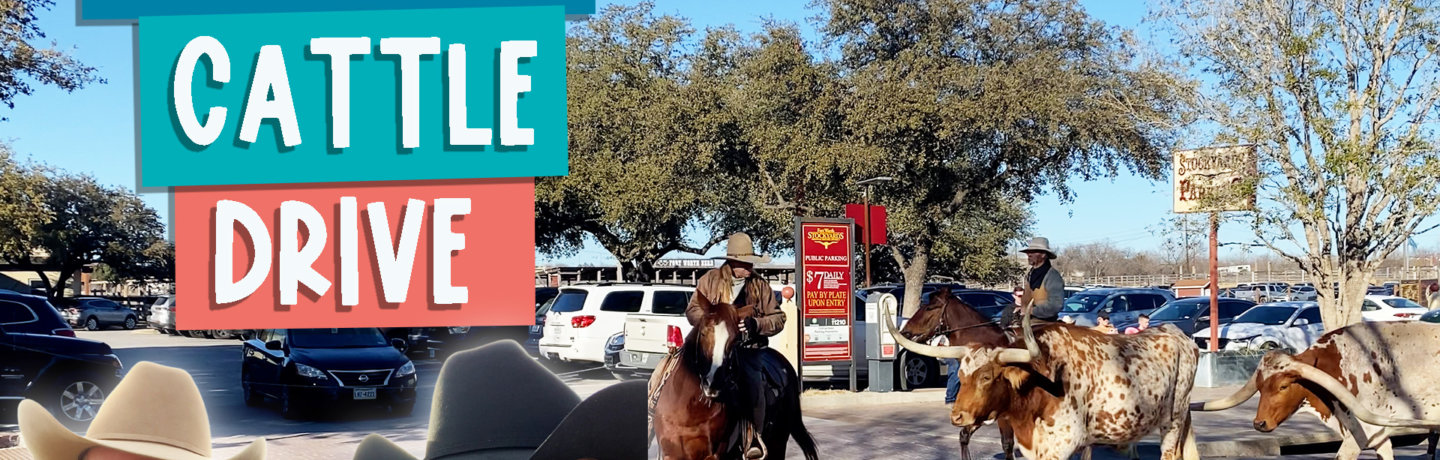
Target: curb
<point>1275,446</point>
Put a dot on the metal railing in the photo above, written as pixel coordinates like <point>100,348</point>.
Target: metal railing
<point>1231,279</point>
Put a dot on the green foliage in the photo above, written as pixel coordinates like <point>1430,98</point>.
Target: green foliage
<point>974,104</point>
<point>65,221</point>
<point>1341,100</point>
<point>23,61</point>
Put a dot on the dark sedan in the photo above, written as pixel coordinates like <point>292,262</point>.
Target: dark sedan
<point>1191,314</point>
<point>69,376</point>
<point>307,368</point>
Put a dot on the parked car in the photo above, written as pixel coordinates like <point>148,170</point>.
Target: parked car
<point>1390,308</point>
<point>1123,304</point>
<point>31,314</point>
<point>1433,316</point>
<point>988,303</point>
<point>162,314</point>
<point>1291,326</point>
<point>1191,313</point>
<point>308,368</point>
<point>1072,290</point>
<point>1303,294</point>
<point>95,313</point>
<point>583,317</point>
<point>67,375</point>
<point>648,336</point>
<point>1264,292</point>
<point>537,330</point>
<point>613,348</point>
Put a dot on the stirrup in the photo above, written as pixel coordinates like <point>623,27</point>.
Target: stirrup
<point>756,447</point>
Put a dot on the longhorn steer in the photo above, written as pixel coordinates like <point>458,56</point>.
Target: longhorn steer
<point>1359,379</point>
<point>1072,387</point>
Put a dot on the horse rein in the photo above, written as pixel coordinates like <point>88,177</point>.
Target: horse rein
<point>945,306</point>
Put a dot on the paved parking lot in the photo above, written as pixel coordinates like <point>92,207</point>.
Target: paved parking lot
<point>215,366</point>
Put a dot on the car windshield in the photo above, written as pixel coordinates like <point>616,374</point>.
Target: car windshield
<point>569,300</point>
<point>1080,303</point>
<point>1266,315</point>
<point>337,338</point>
<point>1175,311</point>
<point>1402,303</point>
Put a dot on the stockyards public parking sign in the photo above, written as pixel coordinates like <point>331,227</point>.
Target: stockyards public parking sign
<point>826,269</point>
<point>1215,179</point>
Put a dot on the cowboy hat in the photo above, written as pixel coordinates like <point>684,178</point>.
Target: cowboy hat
<point>155,411</point>
<point>495,402</point>
<point>740,248</point>
<point>1039,244</point>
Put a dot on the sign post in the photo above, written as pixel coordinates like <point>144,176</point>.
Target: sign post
<point>825,265</point>
<point>1212,180</point>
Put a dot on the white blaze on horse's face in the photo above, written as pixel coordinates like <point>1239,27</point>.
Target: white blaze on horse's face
<point>719,337</point>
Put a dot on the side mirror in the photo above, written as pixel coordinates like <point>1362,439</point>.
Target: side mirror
<point>399,344</point>
<point>273,345</point>
<point>1302,322</point>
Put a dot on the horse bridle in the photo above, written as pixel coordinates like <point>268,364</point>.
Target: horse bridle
<point>939,326</point>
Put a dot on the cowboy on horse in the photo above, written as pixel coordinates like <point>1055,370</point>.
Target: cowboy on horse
<point>736,283</point>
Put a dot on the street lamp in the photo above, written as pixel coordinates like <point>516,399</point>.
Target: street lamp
<point>869,183</point>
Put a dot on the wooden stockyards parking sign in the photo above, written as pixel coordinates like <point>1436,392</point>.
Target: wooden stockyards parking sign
<point>825,253</point>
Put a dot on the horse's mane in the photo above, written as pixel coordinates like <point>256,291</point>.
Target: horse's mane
<point>691,353</point>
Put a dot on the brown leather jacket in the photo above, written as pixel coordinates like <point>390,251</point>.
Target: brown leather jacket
<point>715,285</point>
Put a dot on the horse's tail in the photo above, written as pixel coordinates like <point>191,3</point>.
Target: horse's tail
<point>802,437</point>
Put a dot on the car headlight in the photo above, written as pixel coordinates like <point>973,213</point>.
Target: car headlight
<point>307,371</point>
<point>618,341</point>
<point>406,370</point>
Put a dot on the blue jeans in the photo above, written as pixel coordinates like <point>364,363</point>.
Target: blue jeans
<point>952,386</point>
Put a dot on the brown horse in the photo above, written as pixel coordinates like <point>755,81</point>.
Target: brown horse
<point>961,324</point>
<point>692,395</point>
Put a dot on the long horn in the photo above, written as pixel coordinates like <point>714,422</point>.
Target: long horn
<point>1350,402</point>
<point>1233,400</point>
<point>1032,349</point>
<point>927,350</point>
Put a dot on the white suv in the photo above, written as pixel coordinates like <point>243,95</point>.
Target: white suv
<point>583,318</point>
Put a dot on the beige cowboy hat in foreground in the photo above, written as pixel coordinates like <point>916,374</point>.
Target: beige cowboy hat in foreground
<point>155,411</point>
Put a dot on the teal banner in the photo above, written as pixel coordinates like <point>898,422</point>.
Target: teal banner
<point>352,96</point>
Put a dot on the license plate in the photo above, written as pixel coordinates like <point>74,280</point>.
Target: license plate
<point>364,393</point>
<point>555,332</point>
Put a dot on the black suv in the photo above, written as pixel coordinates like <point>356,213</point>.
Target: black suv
<point>31,314</point>
<point>307,368</point>
<point>69,376</point>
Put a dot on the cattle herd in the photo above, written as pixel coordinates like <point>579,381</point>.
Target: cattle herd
<point>1059,388</point>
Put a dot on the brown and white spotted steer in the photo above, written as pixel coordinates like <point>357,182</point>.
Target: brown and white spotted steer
<point>1072,387</point>
<point>1358,379</point>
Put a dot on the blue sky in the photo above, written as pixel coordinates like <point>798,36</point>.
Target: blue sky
<point>92,130</point>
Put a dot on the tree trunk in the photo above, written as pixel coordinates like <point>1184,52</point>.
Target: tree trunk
<point>59,290</point>
<point>45,283</point>
<point>915,277</point>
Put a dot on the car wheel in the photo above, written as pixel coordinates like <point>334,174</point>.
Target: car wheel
<point>252,398</point>
<point>129,323</point>
<point>290,407</point>
<point>75,400</point>
<point>915,371</point>
<point>221,334</point>
<point>92,324</point>
<point>403,409</point>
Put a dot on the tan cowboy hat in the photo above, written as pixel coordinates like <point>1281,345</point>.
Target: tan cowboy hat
<point>740,248</point>
<point>496,403</point>
<point>1039,244</point>
<point>155,411</point>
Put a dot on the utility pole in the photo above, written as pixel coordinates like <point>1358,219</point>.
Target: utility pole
<point>869,184</point>
<point>1214,282</point>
